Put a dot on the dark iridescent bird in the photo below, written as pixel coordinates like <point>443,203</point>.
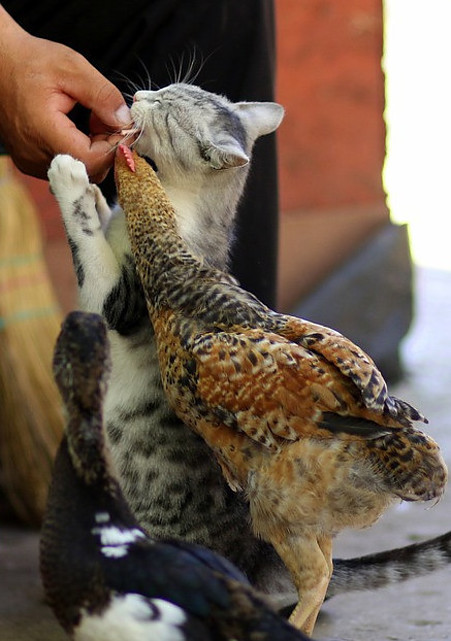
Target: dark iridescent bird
<point>298,417</point>
<point>104,578</point>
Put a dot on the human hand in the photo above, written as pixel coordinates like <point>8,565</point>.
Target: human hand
<point>40,82</point>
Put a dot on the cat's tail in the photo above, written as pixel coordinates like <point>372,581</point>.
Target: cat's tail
<point>391,566</point>
<point>367,572</point>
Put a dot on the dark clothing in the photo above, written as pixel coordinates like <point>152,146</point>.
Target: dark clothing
<point>233,43</point>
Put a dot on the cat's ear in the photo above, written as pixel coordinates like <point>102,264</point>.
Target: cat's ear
<point>225,155</point>
<point>261,117</point>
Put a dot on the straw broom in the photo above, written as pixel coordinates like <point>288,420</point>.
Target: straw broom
<point>30,419</point>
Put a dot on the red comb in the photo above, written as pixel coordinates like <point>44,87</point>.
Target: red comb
<point>128,155</point>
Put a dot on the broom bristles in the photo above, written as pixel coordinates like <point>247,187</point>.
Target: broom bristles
<point>30,319</point>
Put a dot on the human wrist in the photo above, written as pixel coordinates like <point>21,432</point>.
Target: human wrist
<point>12,37</point>
<point>9,28</point>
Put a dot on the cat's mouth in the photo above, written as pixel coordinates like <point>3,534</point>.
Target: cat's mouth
<point>135,131</point>
<point>131,131</point>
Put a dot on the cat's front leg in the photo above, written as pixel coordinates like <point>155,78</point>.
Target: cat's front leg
<point>84,211</point>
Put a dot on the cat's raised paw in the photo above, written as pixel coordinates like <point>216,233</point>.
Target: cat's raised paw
<point>68,175</point>
<point>79,201</point>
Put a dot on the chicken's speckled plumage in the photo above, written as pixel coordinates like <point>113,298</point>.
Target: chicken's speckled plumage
<point>297,415</point>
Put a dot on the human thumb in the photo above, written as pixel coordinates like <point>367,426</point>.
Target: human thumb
<point>91,89</point>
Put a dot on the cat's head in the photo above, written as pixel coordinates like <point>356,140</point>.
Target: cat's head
<point>185,129</point>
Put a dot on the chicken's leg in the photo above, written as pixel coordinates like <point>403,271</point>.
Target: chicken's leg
<point>309,560</point>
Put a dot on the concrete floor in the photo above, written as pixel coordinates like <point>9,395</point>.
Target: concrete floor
<point>419,610</point>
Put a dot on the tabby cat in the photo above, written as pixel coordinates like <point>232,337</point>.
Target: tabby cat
<point>201,144</point>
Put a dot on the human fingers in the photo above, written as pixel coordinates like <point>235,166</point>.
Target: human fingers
<point>87,86</point>
<point>95,151</point>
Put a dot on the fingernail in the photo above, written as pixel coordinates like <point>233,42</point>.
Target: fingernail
<point>123,115</point>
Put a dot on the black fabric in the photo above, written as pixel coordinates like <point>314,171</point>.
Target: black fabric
<point>233,41</point>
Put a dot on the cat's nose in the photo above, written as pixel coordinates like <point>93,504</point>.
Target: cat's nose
<point>144,95</point>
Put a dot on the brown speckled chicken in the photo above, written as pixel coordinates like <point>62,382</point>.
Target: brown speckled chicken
<point>298,417</point>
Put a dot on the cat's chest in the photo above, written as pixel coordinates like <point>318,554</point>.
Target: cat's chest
<point>189,222</point>
<point>136,356</point>
<point>203,221</point>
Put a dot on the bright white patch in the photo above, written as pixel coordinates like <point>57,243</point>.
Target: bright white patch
<point>114,551</point>
<point>102,517</point>
<point>112,535</point>
<point>133,618</point>
<point>115,541</point>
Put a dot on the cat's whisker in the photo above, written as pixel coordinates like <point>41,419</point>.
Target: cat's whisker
<point>129,137</point>
<point>146,85</point>
<point>135,141</point>
<point>129,96</point>
<point>125,129</point>
<point>173,72</point>
<point>191,75</point>
<point>130,84</point>
<point>176,72</point>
